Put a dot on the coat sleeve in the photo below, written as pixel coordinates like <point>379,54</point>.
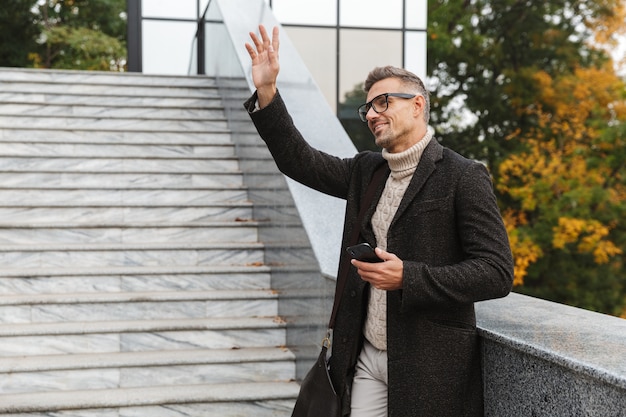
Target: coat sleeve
<point>294,157</point>
<point>474,260</point>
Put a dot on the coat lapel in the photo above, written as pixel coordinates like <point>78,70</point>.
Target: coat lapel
<point>427,164</point>
<point>367,232</point>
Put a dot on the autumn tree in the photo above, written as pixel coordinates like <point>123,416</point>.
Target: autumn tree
<point>566,192</point>
<point>547,115</point>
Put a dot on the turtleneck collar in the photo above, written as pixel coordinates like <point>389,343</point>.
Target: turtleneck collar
<point>404,163</point>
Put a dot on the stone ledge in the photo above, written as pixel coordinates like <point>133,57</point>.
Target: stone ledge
<point>548,359</point>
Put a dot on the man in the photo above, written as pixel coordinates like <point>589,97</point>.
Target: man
<point>405,341</point>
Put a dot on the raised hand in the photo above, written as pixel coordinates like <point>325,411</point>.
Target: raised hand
<point>265,65</point>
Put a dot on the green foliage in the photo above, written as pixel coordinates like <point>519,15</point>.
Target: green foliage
<point>17,32</point>
<point>68,34</point>
<point>359,132</point>
<point>82,48</point>
<point>485,51</point>
<point>83,34</point>
<point>574,279</point>
<point>98,15</point>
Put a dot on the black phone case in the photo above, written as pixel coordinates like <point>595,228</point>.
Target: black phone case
<point>363,252</point>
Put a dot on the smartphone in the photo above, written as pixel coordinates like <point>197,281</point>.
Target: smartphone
<point>363,252</point>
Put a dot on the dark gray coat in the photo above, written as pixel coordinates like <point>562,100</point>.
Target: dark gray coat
<point>449,233</point>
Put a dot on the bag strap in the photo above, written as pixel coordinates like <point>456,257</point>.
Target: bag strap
<point>377,178</point>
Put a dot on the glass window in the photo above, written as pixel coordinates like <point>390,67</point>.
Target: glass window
<point>306,12</point>
<point>220,60</point>
<point>371,13</point>
<point>318,47</point>
<point>416,14</point>
<point>167,46</point>
<point>415,53</point>
<point>167,9</point>
<point>203,4</point>
<point>361,51</point>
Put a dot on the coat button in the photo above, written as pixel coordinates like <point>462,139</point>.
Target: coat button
<point>352,293</point>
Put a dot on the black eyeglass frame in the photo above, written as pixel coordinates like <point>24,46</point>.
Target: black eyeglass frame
<point>364,108</point>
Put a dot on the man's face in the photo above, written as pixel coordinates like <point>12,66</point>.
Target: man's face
<point>401,125</point>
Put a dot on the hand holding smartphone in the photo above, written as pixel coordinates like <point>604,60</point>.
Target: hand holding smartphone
<point>363,252</point>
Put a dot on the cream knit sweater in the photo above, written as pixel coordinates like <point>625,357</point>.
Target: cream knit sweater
<point>402,167</point>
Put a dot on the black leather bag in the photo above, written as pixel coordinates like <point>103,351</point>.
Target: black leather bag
<point>318,397</point>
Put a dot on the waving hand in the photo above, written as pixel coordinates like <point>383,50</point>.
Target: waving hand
<point>265,65</point>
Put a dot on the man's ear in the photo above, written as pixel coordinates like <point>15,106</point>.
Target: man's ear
<point>419,103</point>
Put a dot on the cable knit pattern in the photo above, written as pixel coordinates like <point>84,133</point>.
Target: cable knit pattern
<point>402,165</point>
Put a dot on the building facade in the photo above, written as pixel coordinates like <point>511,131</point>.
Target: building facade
<point>339,40</point>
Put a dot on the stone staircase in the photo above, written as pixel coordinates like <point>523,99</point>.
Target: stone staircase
<point>132,278</point>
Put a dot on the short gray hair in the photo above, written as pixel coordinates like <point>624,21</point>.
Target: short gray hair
<point>410,80</point>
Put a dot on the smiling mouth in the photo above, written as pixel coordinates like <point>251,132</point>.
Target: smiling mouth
<point>378,127</point>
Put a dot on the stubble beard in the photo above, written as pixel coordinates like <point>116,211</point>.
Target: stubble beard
<point>384,139</point>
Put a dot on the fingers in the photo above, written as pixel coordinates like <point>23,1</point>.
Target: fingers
<point>383,275</point>
<point>384,255</point>
<point>264,43</point>
<point>251,51</point>
<point>275,39</point>
<point>264,37</point>
<point>258,46</point>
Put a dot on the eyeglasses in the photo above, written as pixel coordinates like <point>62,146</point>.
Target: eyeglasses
<point>379,103</point>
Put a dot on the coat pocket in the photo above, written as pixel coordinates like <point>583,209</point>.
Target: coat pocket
<point>454,325</point>
<point>430,205</point>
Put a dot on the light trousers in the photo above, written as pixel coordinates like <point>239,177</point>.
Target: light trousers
<point>369,388</point>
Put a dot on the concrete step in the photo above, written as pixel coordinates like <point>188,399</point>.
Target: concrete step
<point>117,180</point>
<point>261,408</point>
<point>219,181</point>
<point>238,230</point>
<point>213,110</point>
<point>81,212</point>
<point>37,151</point>
<point>81,337</point>
<point>47,308</point>
<point>118,197</point>
<point>94,216</point>
<point>146,279</point>
<point>59,135</point>
<point>97,88</point>
<point>235,211</point>
<point>43,363</point>
<point>135,369</point>
<point>146,165</point>
<point>244,231</point>
<point>149,255</point>
<point>30,97</point>
<point>32,76</point>
<point>88,280</point>
<point>210,400</point>
<point>129,125</point>
<point>91,255</point>
<point>100,166</point>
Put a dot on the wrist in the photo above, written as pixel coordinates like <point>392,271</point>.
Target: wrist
<point>265,95</point>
